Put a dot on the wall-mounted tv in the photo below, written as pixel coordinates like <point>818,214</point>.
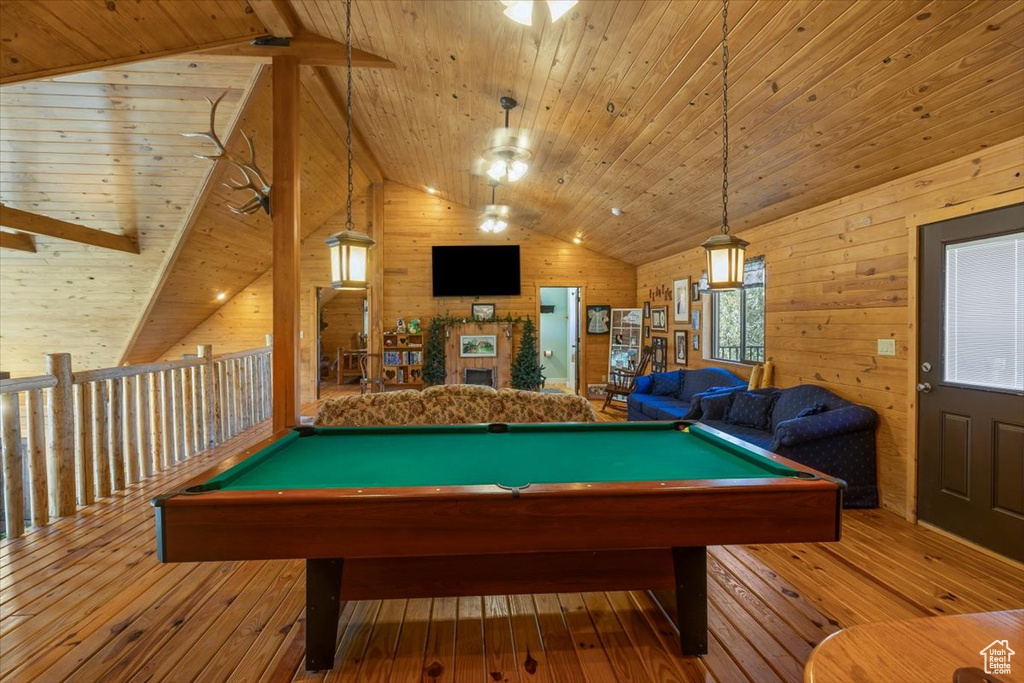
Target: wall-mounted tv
<point>476,271</point>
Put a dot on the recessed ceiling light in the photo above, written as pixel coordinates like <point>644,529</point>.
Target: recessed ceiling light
<point>221,296</point>
<point>616,211</point>
<point>577,240</point>
<point>432,190</point>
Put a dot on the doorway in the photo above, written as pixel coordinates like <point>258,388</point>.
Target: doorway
<point>970,378</point>
<point>560,337</point>
<point>343,324</point>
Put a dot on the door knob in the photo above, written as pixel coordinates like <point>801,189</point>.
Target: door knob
<point>924,388</point>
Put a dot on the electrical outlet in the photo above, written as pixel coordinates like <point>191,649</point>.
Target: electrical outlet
<point>886,347</point>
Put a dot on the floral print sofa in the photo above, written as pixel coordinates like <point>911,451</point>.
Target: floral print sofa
<point>452,404</point>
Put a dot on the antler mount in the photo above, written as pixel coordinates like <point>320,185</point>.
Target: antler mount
<point>254,179</point>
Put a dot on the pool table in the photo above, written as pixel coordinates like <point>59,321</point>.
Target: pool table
<point>399,512</point>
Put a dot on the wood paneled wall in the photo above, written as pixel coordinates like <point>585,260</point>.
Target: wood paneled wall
<point>836,282</point>
<point>245,319</point>
<point>414,221</point>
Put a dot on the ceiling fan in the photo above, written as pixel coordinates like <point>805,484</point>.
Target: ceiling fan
<point>521,11</point>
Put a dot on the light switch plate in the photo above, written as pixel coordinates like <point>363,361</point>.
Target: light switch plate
<point>886,347</point>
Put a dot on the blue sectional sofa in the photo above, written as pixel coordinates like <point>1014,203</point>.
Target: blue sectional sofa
<point>675,395</point>
<point>808,424</point>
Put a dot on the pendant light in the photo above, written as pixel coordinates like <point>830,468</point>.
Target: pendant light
<point>350,250</point>
<point>494,218</point>
<point>521,11</point>
<point>725,252</point>
<point>507,153</point>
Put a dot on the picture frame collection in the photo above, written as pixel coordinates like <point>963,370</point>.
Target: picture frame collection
<point>683,292</point>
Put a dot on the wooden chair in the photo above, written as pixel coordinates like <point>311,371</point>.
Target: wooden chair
<point>367,381</point>
<point>623,382</point>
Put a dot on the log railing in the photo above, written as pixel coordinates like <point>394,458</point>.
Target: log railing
<point>70,438</point>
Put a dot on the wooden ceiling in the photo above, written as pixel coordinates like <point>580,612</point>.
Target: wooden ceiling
<point>622,101</point>
<point>225,252</point>
<point>101,149</point>
<point>50,37</point>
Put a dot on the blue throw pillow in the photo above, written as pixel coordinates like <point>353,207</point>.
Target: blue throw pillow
<point>812,410</point>
<point>666,383</point>
<point>751,410</point>
<point>644,384</point>
<point>715,407</point>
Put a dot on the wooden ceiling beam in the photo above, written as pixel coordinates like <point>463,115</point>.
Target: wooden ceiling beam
<point>115,61</point>
<point>36,224</point>
<point>17,240</point>
<point>308,48</point>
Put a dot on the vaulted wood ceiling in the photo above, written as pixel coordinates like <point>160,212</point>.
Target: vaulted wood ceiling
<point>100,149</point>
<point>621,100</point>
<point>50,37</point>
<point>623,103</point>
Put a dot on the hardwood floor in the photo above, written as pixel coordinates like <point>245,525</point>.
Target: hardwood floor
<point>85,600</point>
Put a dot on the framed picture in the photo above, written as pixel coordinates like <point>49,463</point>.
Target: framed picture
<point>659,357</point>
<point>647,310</point>
<point>659,319</point>
<point>647,331</point>
<point>680,347</point>
<point>696,342</point>
<point>695,291</point>
<point>478,345</point>
<point>597,390</point>
<point>695,321</point>
<point>483,312</point>
<point>681,296</point>
<point>598,319</point>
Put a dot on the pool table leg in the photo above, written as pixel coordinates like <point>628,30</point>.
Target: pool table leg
<point>323,608</point>
<point>691,569</point>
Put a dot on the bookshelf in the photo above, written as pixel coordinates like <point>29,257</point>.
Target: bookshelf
<point>402,355</point>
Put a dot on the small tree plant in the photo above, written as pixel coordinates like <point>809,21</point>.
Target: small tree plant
<point>433,354</point>
<point>526,369</point>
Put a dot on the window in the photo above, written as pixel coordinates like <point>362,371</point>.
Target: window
<point>737,318</point>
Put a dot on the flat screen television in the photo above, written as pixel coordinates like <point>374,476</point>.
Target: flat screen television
<point>476,271</point>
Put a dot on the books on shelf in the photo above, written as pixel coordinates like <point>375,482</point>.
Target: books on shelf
<point>403,358</point>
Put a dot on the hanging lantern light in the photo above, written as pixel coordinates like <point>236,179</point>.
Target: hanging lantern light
<point>725,252</point>
<point>349,258</point>
<point>350,250</point>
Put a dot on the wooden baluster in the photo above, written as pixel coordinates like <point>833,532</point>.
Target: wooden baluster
<point>156,431</point>
<point>167,446</point>
<point>246,395</point>
<point>37,475</point>
<point>116,408</point>
<point>101,437</point>
<point>10,447</point>
<point>199,413</point>
<point>229,399</point>
<point>145,444</point>
<point>83,444</point>
<point>236,390</point>
<point>180,453</point>
<point>131,418</point>
<point>209,391</point>
<point>190,412</point>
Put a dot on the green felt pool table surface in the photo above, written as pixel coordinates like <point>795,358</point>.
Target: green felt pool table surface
<point>468,455</point>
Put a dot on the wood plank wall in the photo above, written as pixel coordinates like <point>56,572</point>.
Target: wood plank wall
<point>343,314</point>
<point>414,221</point>
<point>837,282</point>
<point>246,318</point>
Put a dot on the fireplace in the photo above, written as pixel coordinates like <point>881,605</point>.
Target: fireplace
<point>484,376</point>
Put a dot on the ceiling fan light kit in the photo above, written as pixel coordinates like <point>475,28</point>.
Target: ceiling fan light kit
<point>494,218</point>
<point>521,11</point>
<point>507,152</point>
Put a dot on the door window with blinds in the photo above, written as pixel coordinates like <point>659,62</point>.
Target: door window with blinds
<point>984,313</point>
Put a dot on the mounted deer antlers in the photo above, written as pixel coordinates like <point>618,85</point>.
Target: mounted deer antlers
<point>255,181</point>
